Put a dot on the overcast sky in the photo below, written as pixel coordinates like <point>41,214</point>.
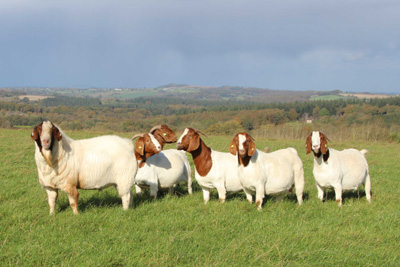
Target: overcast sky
<point>351,45</point>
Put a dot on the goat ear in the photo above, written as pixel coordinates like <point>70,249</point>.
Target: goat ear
<point>252,148</point>
<point>56,133</point>
<point>232,146</point>
<point>308,144</point>
<point>35,134</point>
<point>194,143</point>
<point>139,146</point>
<point>324,143</point>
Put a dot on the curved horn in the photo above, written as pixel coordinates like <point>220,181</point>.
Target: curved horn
<point>252,138</point>
<point>198,131</point>
<point>157,127</point>
<point>136,136</point>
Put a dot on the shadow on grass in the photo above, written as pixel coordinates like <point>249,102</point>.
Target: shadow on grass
<point>111,199</point>
<point>329,195</point>
<point>99,199</point>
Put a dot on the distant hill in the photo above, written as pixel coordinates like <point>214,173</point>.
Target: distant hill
<point>184,91</point>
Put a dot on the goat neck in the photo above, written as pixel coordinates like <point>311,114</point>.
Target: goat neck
<point>325,156</point>
<point>202,158</point>
<point>245,160</point>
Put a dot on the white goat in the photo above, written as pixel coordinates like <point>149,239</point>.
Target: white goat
<point>272,173</point>
<point>166,169</point>
<point>343,170</point>
<point>213,169</point>
<point>96,163</point>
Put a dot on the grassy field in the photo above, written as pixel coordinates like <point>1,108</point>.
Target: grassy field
<point>181,231</point>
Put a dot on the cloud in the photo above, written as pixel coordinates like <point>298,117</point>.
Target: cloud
<point>268,44</point>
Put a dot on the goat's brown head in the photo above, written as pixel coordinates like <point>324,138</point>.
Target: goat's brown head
<point>45,134</point>
<point>163,134</point>
<point>317,142</point>
<point>242,145</point>
<point>189,140</point>
<point>146,146</point>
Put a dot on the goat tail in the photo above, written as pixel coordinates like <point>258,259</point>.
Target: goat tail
<point>299,182</point>
<point>364,151</point>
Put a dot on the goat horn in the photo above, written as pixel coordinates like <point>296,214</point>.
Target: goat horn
<point>155,128</point>
<point>136,136</point>
<point>198,131</point>
<point>252,138</point>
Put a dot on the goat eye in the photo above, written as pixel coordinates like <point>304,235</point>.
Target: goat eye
<point>164,134</point>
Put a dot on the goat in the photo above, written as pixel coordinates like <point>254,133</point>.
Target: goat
<point>272,173</point>
<point>96,163</point>
<point>163,134</point>
<point>343,170</point>
<point>162,170</point>
<point>213,169</point>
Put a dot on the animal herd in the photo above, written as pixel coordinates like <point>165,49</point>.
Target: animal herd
<point>96,163</point>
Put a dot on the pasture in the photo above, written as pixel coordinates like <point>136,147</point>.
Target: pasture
<point>180,230</point>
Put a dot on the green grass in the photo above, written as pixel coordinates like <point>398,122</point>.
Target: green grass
<point>181,231</point>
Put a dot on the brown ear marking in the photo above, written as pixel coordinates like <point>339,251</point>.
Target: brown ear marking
<point>56,133</point>
<point>233,146</point>
<point>194,143</point>
<point>139,146</point>
<point>35,134</point>
<point>308,143</point>
<point>252,147</point>
<point>324,143</point>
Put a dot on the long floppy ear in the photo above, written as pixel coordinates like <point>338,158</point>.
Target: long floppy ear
<point>139,146</point>
<point>232,146</point>
<point>252,148</point>
<point>308,144</point>
<point>56,133</point>
<point>194,143</point>
<point>324,143</point>
<point>35,134</point>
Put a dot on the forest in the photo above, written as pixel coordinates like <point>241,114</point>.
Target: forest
<point>344,118</point>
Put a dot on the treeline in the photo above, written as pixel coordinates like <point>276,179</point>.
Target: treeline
<point>214,117</point>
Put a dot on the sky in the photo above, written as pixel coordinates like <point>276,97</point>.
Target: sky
<point>348,45</point>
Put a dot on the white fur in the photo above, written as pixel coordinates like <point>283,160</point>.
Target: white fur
<point>272,173</point>
<point>223,176</point>
<point>93,163</point>
<point>344,170</point>
<point>164,170</point>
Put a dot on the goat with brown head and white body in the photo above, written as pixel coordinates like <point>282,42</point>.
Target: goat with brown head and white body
<point>213,169</point>
<point>163,134</point>
<point>343,170</point>
<point>161,170</point>
<point>273,173</point>
<point>66,164</point>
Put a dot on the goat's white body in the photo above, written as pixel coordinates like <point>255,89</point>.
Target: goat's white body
<point>273,173</point>
<point>344,170</point>
<point>93,163</point>
<point>164,170</point>
<point>223,175</point>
